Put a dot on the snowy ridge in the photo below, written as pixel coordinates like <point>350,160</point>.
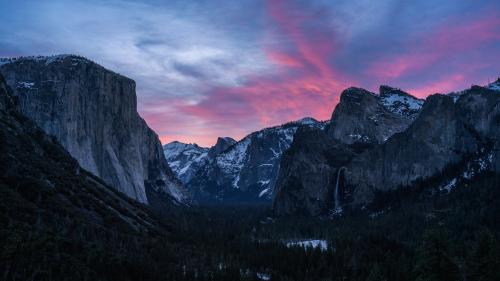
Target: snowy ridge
<point>250,166</point>
<point>400,103</point>
<point>44,59</point>
<point>184,159</point>
<point>233,160</point>
<point>495,86</point>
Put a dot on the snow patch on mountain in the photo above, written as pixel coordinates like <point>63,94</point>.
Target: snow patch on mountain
<point>483,162</point>
<point>44,59</point>
<point>495,85</point>
<point>309,244</point>
<point>401,103</point>
<point>234,159</point>
<point>185,158</point>
<point>26,85</point>
<point>263,192</point>
<point>449,186</point>
<point>250,165</point>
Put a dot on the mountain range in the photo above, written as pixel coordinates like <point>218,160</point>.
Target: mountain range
<point>373,143</point>
<point>87,192</point>
<point>393,149</point>
<point>243,171</point>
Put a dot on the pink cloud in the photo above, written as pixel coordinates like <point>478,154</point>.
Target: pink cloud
<point>306,82</point>
<point>444,85</point>
<point>450,39</point>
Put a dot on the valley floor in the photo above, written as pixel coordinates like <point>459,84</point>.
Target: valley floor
<point>420,235</point>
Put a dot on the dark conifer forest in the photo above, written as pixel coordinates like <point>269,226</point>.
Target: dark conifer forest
<point>249,140</point>
<point>424,236</point>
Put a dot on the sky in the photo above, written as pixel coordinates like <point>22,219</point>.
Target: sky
<point>213,68</point>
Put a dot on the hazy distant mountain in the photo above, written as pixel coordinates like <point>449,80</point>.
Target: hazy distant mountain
<point>247,170</point>
<point>185,159</point>
<point>92,111</point>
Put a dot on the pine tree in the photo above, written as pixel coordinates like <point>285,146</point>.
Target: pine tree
<point>485,261</point>
<point>433,259</point>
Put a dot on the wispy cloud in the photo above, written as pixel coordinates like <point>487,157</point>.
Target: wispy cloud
<point>211,68</point>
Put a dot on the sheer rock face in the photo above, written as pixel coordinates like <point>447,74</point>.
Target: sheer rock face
<point>220,146</point>
<point>310,168</point>
<point>361,117</point>
<point>410,142</point>
<point>446,130</point>
<point>308,174</point>
<point>41,185</point>
<point>93,113</point>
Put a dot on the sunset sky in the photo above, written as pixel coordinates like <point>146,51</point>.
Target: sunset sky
<point>227,68</point>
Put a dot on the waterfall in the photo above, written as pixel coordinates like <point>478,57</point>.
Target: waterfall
<point>337,195</point>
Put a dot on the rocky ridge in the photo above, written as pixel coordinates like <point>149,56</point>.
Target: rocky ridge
<point>185,159</point>
<point>364,118</point>
<point>429,137</point>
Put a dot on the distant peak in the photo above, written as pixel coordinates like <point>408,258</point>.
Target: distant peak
<point>495,85</point>
<point>222,144</point>
<point>356,90</point>
<point>307,121</point>
<point>384,89</point>
<point>355,95</point>
<point>226,139</point>
<point>178,143</point>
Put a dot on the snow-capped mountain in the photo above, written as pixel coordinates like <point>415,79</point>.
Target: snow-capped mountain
<point>399,102</point>
<point>454,137</point>
<point>365,118</point>
<point>495,85</point>
<point>247,170</point>
<point>185,159</point>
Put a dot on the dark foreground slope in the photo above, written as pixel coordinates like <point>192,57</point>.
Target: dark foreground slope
<point>59,222</point>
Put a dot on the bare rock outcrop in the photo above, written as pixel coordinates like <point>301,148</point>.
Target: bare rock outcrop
<point>92,112</point>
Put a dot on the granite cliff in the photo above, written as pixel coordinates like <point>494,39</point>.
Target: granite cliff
<point>92,112</point>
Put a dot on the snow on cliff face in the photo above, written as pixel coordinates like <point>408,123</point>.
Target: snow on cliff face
<point>399,102</point>
<point>43,59</point>
<point>363,117</point>
<point>185,159</point>
<point>495,85</point>
<point>250,166</point>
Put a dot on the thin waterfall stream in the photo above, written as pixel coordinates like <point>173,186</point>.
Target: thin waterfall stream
<point>337,192</point>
